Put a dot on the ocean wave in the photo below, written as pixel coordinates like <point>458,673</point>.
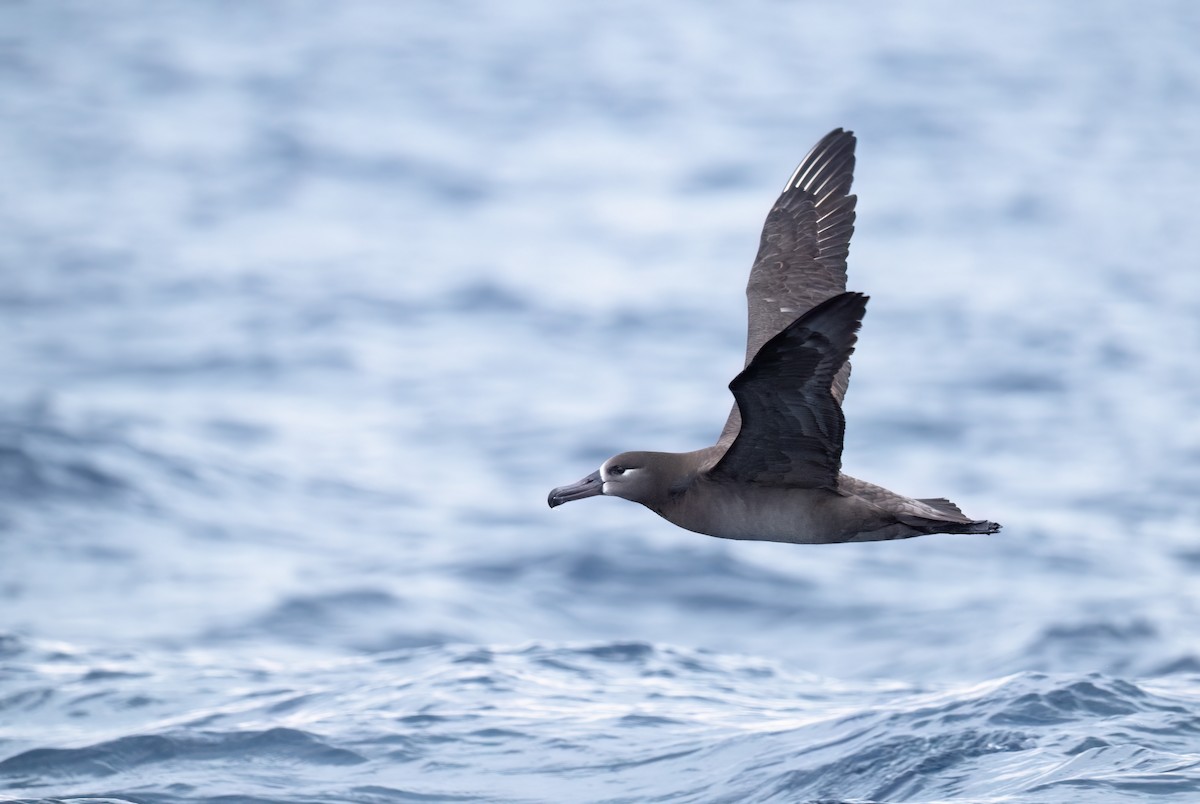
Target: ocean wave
<point>626,721</point>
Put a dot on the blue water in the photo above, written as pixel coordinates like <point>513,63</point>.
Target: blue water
<point>305,306</point>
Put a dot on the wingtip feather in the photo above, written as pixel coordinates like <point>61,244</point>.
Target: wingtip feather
<point>828,158</point>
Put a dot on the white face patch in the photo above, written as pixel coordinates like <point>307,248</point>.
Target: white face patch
<point>787,309</point>
<point>608,477</point>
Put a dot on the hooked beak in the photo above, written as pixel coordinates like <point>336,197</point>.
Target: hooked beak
<point>590,486</point>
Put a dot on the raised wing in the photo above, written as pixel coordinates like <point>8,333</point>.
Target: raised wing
<point>802,253</point>
<point>792,424</point>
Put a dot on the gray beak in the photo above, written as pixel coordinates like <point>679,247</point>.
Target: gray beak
<point>590,486</point>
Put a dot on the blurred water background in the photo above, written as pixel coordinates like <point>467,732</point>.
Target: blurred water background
<point>305,307</point>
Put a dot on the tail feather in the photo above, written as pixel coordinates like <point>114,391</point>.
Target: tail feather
<point>943,505</point>
<point>927,525</point>
<point>913,517</point>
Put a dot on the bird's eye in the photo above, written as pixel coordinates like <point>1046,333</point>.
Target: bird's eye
<point>616,470</point>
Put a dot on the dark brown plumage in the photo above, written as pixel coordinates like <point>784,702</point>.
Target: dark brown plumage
<point>790,380</point>
<point>775,472</point>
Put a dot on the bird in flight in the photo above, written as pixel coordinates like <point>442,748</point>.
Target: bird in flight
<point>775,472</point>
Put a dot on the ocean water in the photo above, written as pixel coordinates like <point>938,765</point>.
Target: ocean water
<point>305,307</point>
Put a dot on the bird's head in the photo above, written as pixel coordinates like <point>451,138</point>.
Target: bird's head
<point>636,476</point>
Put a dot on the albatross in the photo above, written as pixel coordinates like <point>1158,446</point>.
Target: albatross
<point>775,472</point>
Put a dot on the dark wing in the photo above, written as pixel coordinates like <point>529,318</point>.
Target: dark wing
<point>792,424</point>
<point>802,253</point>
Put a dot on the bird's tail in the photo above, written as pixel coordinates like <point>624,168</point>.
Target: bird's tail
<point>942,526</point>
<point>946,517</point>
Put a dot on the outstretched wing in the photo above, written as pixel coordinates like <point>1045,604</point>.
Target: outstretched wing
<point>792,423</point>
<point>802,253</point>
